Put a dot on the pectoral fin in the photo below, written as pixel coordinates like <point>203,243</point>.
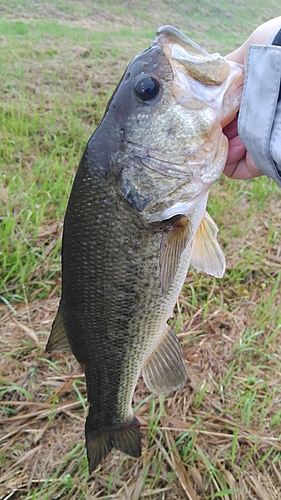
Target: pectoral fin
<point>206,253</point>
<point>58,339</point>
<point>164,371</point>
<point>174,241</point>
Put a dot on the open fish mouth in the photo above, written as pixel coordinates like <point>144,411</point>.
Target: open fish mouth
<point>209,69</point>
<point>201,79</point>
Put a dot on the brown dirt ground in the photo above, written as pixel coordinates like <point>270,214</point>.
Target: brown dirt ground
<point>36,439</point>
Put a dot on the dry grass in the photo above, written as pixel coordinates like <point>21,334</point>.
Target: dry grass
<point>218,437</point>
<point>197,442</point>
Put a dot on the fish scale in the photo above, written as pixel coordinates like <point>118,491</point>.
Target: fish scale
<point>107,284</point>
<point>135,220</point>
<point>120,337</point>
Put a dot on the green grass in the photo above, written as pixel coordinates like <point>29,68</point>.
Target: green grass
<point>59,63</point>
<point>51,102</point>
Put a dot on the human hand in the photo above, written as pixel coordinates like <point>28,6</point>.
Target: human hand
<point>239,164</point>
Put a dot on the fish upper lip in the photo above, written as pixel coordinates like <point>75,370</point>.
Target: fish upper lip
<point>176,35</point>
<point>175,45</point>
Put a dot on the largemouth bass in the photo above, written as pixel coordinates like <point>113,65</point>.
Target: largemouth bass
<point>135,220</point>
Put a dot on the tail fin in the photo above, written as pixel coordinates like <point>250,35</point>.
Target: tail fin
<point>126,438</point>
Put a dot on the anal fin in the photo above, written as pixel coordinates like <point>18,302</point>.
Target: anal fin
<point>58,339</point>
<point>164,371</point>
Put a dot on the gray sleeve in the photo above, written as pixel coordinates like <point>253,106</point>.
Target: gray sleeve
<point>259,122</point>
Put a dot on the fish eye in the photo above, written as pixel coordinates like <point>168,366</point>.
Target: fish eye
<point>146,88</point>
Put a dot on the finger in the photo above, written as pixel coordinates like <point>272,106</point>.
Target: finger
<point>231,130</point>
<point>242,169</point>
<point>237,55</point>
<point>252,168</point>
<point>237,170</point>
<point>264,34</point>
<point>236,150</point>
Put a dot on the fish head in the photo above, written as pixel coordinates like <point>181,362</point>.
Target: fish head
<point>172,104</point>
<point>202,79</point>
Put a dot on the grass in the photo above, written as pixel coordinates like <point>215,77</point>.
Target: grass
<point>219,437</point>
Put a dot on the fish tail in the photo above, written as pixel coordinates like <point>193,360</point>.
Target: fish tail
<point>126,438</point>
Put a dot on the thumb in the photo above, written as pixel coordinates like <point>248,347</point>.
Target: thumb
<point>263,35</point>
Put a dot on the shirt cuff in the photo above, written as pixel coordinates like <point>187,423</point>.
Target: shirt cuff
<point>259,122</point>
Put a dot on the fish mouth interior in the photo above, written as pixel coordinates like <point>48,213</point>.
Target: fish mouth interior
<point>182,52</point>
<point>196,62</point>
<point>200,79</point>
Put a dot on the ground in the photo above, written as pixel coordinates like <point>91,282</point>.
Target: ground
<point>219,436</point>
